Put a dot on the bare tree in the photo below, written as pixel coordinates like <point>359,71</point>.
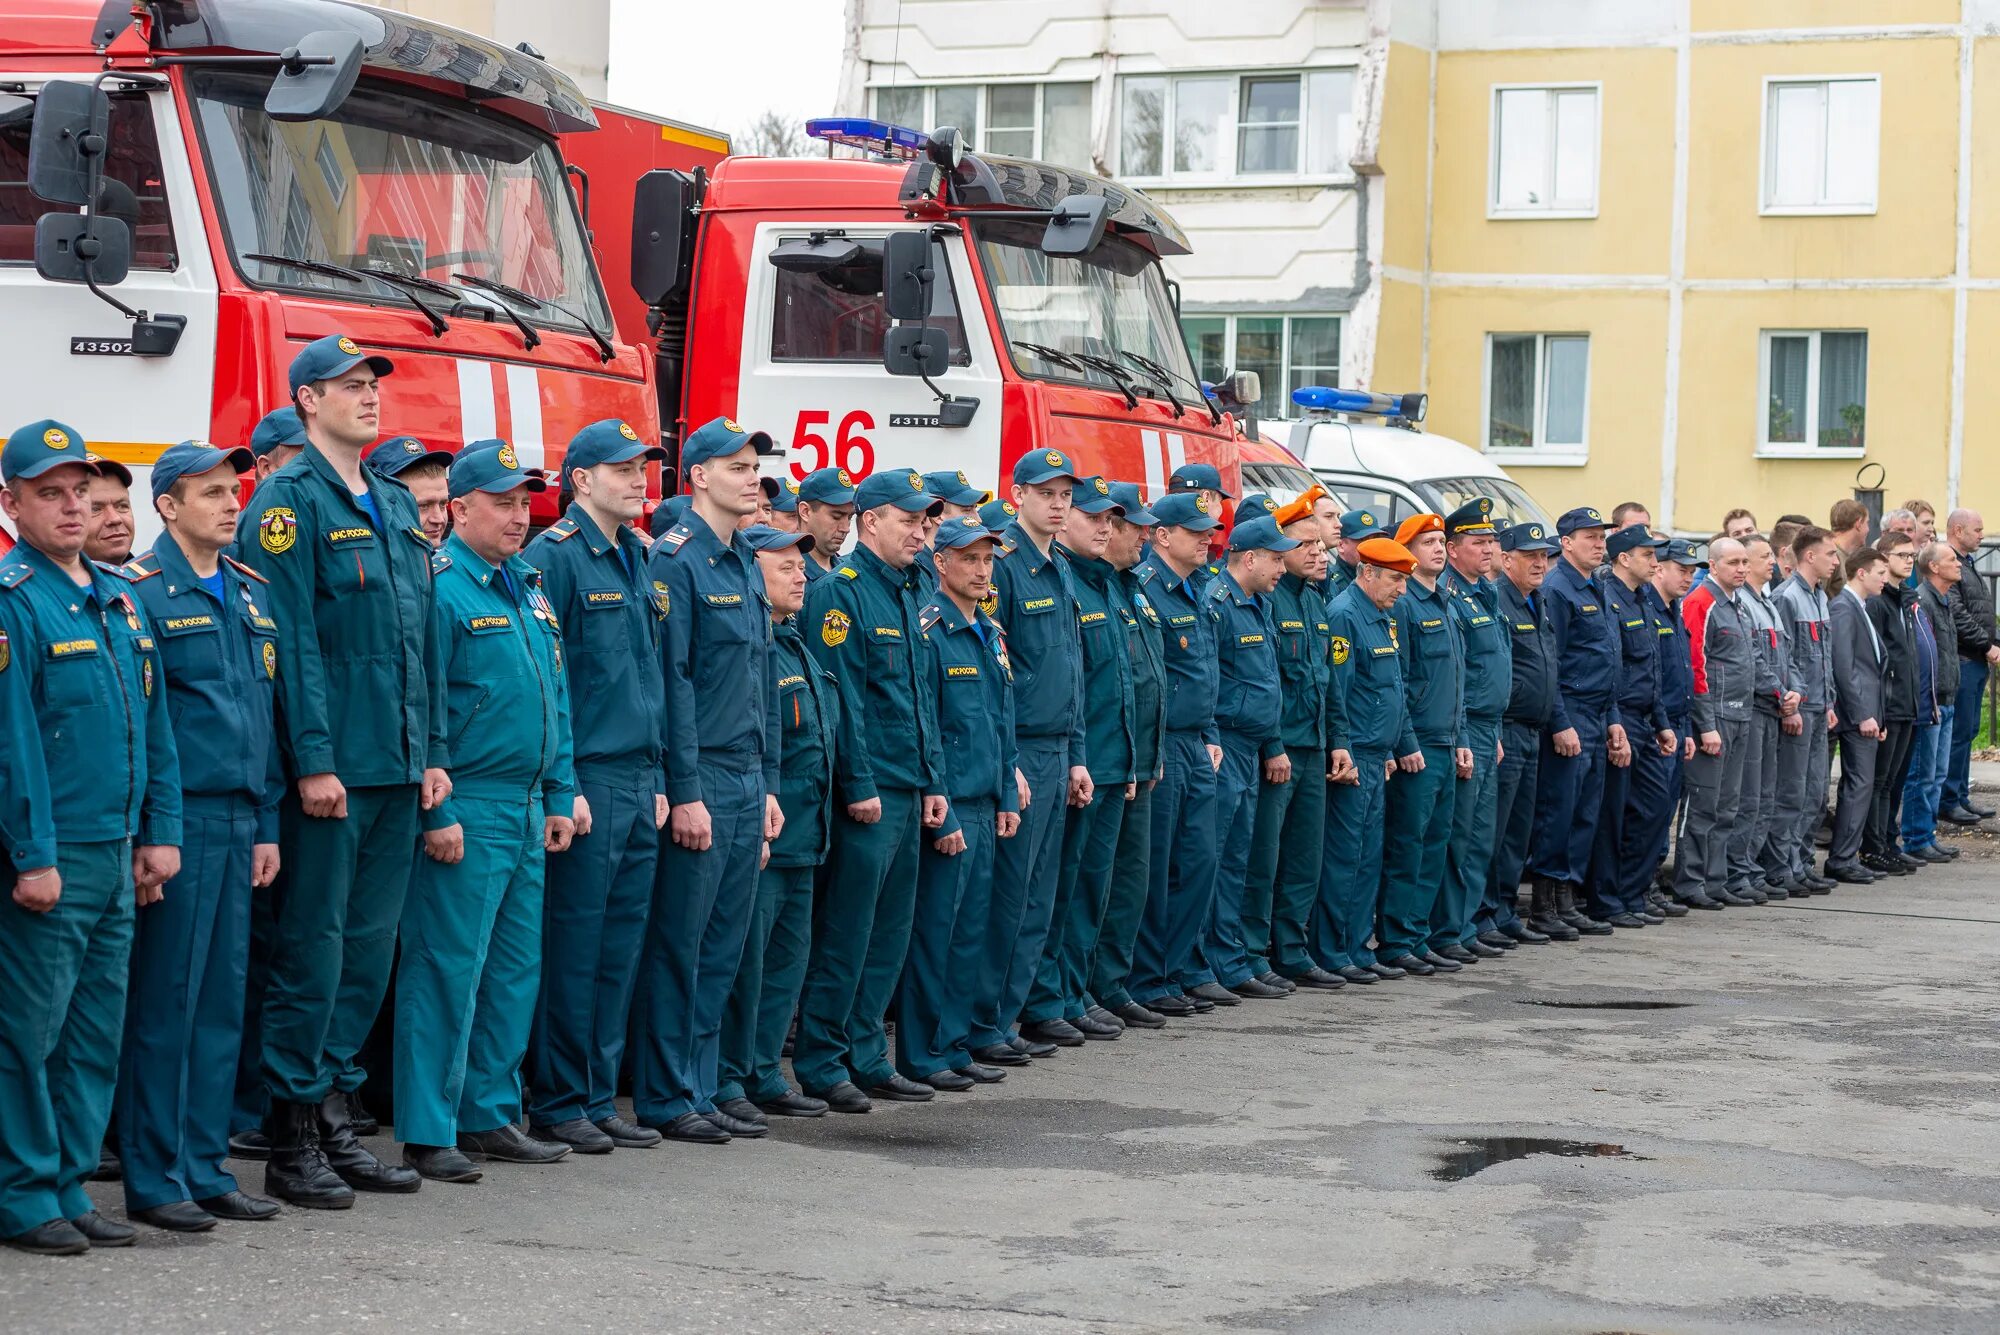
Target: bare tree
<point>772,135</point>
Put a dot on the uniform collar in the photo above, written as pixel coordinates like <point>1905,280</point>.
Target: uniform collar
<point>1234,590</point>
<point>1018,538</point>
<point>865,559</point>
<point>1292,584</point>
<point>99,587</point>
<point>593,536</point>
<point>176,571</point>
<point>322,465</point>
<point>483,570</point>
<point>1571,576</point>
<point>1095,569</point>
<point>949,616</point>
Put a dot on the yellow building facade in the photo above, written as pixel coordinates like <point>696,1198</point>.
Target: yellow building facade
<point>1698,253</point>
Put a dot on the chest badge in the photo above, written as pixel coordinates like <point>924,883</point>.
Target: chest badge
<point>834,627</point>
<point>1341,649</point>
<point>6,651</point>
<point>270,659</point>
<point>146,676</point>
<point>278,530</point>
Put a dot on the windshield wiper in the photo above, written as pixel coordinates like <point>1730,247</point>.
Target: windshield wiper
<point>1083,363</point>
<point>1128,384</point>
<point>515,294</point>
<point>1049,354</point>
<point>1161,382</point>
<point>438,323</point>
<point>1162,370</point>
<point>397,278</point>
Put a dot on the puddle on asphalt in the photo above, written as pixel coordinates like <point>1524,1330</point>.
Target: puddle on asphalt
<point>1474,1156</point>
<point>1612,1005</point>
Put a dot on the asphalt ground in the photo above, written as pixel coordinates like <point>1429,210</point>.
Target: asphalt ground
<point>1807,1108</point>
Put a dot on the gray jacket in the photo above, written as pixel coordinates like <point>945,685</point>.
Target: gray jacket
<point>1857,664</point>
<point>1938,607</point>
<point>1809,643</point>
<point>1773,667</point>
<point>1724,660</point>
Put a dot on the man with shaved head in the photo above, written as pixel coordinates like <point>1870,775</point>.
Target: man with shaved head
<point>1724,662</point>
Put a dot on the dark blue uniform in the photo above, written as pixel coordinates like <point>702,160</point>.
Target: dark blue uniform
<point>1131,874</point>
<point>1289,850</point>
<point>1639,705</point>
<point>1656,779</point>
<point>1589,664</point>
<point>1366,717</point>
<point>1420,805</point>
<point>1250,711</point>
<point>1531,702</point>
<point>1489,680</point>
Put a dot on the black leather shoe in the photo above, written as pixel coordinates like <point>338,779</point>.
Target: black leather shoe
<point>358,1116</point>
<point>1671,909</point>
<point>1625,920</point>
<point>175,1217</point>
<point>1411,964</point>
<point>1850,873</point>
<point>58,1237</point>
<point>1751,893</point>
<point>1700,902</point>
<point>580,1134</point>
<point>1258,990</point>
<point>1524,934</point>
<point>950,1082</point>
<point>240,1207</point>
<point>791,1103</point>
<point>297,1171</point>
<point>1215,992</point>
<point>1319,978</point>
<point>1592,927</point>
<point>898,1089</point>
<point>982,1074</point>
<point>1959,816</point>
<point>1354,973</point>
<point>1882,865</point>
<point>252,1144</point>
<point>1000,1054</point>
<point>743,1110</point>
<point>441,1163</point>
<point>1439,963</point>
<point>1388,971</point>
<point>1733,900</point>
<point>1939,852</point>
<point>694,1129</point>
<point>1465,954</point>
<point>1650,917</point>
<point>1095,1030</point>
<point>1909,860</point>
<point>738,1127</point>
<point>1272,978</point>
<point>102,1232</point>
<point>628,1135</point>
<point>351,1160</point>
<point>510,1144</point>
<point>1494,940</point>
<point>108,1169</point>
<point>1141,1017</point>
<point>1984,813</point>
<point>1820,885</point>
<point>1031,1047</point>
<point>1103,1016</point>
<point>1201,1005</point>
<point>846,1097</point>
<point>1059,1032</point>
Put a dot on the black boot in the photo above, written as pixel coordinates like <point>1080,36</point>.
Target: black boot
<point>1544,915</point>
<point>297,1170</point>
<point>348,1157</point>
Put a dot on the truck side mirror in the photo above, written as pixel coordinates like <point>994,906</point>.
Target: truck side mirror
<point>1078,225</point>
<point>661,201</point>
<point>72,127</point>
<point>64,254</point>
<point>916,350</point>
<point>816,254</point>
<point>311,92</point>
<point>908,281</point>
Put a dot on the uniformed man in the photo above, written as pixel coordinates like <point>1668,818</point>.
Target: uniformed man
<point>361,709</point>
<point>957,498</point>
<point>785,507</point>
<point>860,623</point>
<point>1803,762</point>
<point>87,718</point>
<point>1356,527</point>
<point>472,929</point>
<point>1524,554</point>
<point>666,514</point>
<point>218,654</point>
<point>1472,548</point>
<point>1035,603</point>
<point>110,538</point>
<point>997,514</point>
<point>1366,721</point>
<point>1058,1004</point>
<point>1205,481</point>
<point>766,991</point>
<point>826,511</point>
<point>762,512</point>
<point>424,474</point>
<point>1182,891</point>
<point>1724,666</point>
<point>1131,863</point>
<point>968,686</point>
<point>1584,731</point>
<point>279,438</point>
<point>722,751</point>
<point>600,889</point>
<point>1773,702</point>
<point>1656,774</point>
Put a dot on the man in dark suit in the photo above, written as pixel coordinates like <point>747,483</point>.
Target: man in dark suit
<point>1858,659</point>
<point>1893,613</point>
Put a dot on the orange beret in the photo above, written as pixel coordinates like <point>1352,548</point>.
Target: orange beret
<point>1418,525</point>
<point>1388,554</point>
<point>1301,508</point>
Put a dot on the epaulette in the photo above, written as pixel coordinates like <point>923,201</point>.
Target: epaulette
<point>675,538</point>
<point>439,563</point>
<point>14,575</point>
<point>562,530</point>
<point>848,572</point>
<point>1006,548</point>
<point>248,572</point>
<point>1218,592</point>
<point>136,571</point>
<point>1146,573</point>
<point>116,571</point>
<point>929,617</point>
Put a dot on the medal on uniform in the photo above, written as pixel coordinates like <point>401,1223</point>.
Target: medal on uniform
<point>146,676</point>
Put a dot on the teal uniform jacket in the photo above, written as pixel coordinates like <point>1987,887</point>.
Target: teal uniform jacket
<point>1249,701</point>
<point>969,680</point>
<point>860,624</point>
<point>90,755</point>
<point>1147,659</point>
<point>1035,601</point>
<point>815,571</point>
<point>1104,624</point>
<point>808,726</point>
<point>598,589</point>
<point>507,702</point>
<point>1339,578</point>
<point>360,664</point>
<point>1188,632</point>
<point>1433,675</point>
<point>1305,661</point>
<point>1366,714</point>
<point>1487,640</point>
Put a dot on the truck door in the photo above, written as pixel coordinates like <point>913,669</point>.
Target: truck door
<point>812,365</point>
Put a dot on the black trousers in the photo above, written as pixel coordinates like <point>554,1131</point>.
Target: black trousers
<point>1857,791</point>
<point>1885,807</point>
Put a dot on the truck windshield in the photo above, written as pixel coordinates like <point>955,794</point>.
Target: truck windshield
<point>398,180</point>
<point>1098,306</point>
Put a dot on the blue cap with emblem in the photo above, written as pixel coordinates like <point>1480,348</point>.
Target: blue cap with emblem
<point>1682,553</point>
<point>785,500</point>
<point>997,514</point>
<point>39,446</point>
<point>1259,533</point>
<point>398,454</point>
<point>1630,538</point>
<point>1256,503</point>
<point>490,465</point>
<point>279,427</point>
<point>764,538</point>
<point>1364,523</point>
<point>1529,537</point>
<point>110,468</point>
<point>334,355</point>
<point>192,458</point>
<point>962,531</point>
<point>609,441</point>
<point>1475,516</point>
<point>1184,509</point>
<point>1037,466</point>
<point>1092,495</point>
<point>951,485</point>
<point>827,486</point>
<point>1581,517</point>
<point>718,439</point>
<point>1198,477</point>
<point>1133,502</point>
<point>668,513</point>
<point>900,487</point>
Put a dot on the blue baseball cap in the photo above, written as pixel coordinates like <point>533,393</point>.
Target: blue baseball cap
<point>1630,538</point>
<point>997,514</point>
<point>668,513</point>
<point>827,486</point>
<point>392,456</point>
<point>1682,553</point>
<point>1198,477</point>
<point>609,441</point>
<point>108,468</point>
<point>764,538</point>
<point>1256,503</point>
<point>1528,537</point>
<point>1259,533</point>
<point>282,426</point>
<point>192,458</point>
<point>1092,495</point>
<point>951,485</point>
<point>718,438</point>
<point>900,487</point>
<point>1358,524</point>
<point>1581,517</point>
<point>336,354</point>
<point>785,500</point>
<point>1042,466</point>
<point>1133,502</point>
<point>490,465</point>
<point>1184,509</point>
<point>39,446</point>
<point>1475,516</point>
<point>962,531</point>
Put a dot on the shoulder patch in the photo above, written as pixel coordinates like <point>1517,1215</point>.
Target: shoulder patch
<point>439,563</point>
<point>118,572</point>
<point>1146,574</point>
<point>675,538</point>
<point>848,572</point>
<point>562,530</point>
<point>136,571</point>
<point>929,617</point>
<point>13,577</point>
<point>248,572</point>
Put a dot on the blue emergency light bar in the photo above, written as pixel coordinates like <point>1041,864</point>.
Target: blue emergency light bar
<point>1326,399</point>
<point>871,136</point>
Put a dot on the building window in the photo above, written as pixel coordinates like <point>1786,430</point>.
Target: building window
<point>1287,352</point>
<point>1538,392</point>
<point>1544,161</point>
<point>1208,127</point>
<point>330,174</point>
<point>1822,142</point>
<point>1049,122</point>
<point>1814,387</point>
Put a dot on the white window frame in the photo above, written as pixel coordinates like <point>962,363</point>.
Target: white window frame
<point>1763,176</point>
<point>1498,211</point>
<point>984,87</point>
<point>1540,452</point>
<point>1229,176</point>
<point>1229,319</point>
<point>1807,448</point>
